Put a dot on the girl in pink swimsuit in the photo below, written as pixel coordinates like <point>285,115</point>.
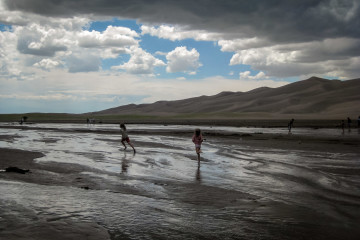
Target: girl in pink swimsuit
<point>197,140</point>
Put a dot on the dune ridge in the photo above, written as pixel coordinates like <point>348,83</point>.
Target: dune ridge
<point>311,98</point>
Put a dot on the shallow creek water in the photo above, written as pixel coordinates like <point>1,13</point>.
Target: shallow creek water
<point>238,192</point>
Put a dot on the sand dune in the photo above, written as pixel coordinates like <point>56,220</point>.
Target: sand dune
<point>311,98</point>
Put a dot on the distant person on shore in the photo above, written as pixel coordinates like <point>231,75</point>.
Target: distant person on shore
<point>197,140</point>
<point>349,123</point>
<point>290,125</point>
<point>358,122</point>
<point>125,137</point>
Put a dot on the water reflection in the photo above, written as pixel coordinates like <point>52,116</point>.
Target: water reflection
<point>126,161</point>
<point>198,174</point>
<point>124,165</point>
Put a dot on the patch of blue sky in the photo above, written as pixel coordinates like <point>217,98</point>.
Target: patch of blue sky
<point>101,26</point>
<point>5,27</point>
<point>154,44</point>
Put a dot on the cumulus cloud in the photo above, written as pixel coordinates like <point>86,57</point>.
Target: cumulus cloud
<point>160,53</point>
<point>176,33</point>
<point>294,59</point>
<point>47,64</point>
<point>48,43</point>
<point>8,54</point>
<point>141,62</point>
<point>183,60</point>
<point>111,37</point>
<point>275,62</point>
<point>39,40</point>
<point>241,44</point>
<point>247,76</point>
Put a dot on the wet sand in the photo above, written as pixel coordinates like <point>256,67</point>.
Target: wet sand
<point>83,185</point>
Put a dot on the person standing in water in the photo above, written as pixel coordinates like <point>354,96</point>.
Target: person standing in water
<point>125,137</point>
<point>290,125</point>
<point>197,140</point>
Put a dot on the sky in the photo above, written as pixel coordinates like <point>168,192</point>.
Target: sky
<point>90,55</point>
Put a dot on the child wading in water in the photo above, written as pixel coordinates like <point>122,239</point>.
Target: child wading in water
<point>197,140</point>
<point>125,137</point>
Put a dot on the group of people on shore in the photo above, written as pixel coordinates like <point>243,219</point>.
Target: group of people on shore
<point>349,124</point>
<point>291,124</point>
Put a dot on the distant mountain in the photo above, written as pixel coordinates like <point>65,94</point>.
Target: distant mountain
<point>314,97</point>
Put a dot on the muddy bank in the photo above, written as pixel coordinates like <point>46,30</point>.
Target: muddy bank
<point>26,223</point>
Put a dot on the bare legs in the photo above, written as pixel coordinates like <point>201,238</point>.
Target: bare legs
<point>132,146</point>
<point>198,151</point>
<point>123,143</point>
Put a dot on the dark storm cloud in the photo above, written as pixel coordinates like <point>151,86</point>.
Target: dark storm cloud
<point>276,20</point>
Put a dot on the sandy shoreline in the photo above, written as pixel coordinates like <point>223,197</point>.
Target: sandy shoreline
<point>70,175</point>
<point>248,122</point>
